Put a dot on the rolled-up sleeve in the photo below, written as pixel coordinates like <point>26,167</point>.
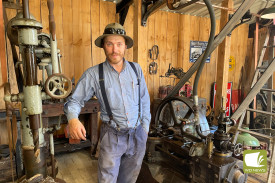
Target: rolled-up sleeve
<point>84,90</point>
<point>145,103</point>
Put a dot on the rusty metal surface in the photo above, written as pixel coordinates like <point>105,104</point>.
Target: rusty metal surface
<point>30,67</point>
<point>32,164</point>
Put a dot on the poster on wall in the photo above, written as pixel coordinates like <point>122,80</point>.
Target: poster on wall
<point>228,97</point>
<point>196,49</point>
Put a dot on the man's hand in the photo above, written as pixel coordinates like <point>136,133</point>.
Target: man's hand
<point>76,129</point>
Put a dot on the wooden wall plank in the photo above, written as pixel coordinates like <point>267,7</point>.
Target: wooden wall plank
<point>3,58</point>
<point>67,30</point>
<point>194,36</point>
<point>233,52</point>
<point>150,43</point>
<point>171,45</point>
<point>160,40</point>
<point>181,32</point>
<point>104,20</point>
<point>95,24</point>
<point>175,35</point>
<point>205,28</point>
<point>11,72</point>
<point>34,7</point>
<point>129,28</point>
<point>240,55</point>
<point>86,34</point>
<point>58,16</point>
<point>77,39</point>
<point>140,39</point>
<point>44,15</point>
<point>211,70</point>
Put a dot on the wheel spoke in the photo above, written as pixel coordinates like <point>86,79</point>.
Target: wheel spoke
<point>55,83</point>
<point>62,89</point>
<point>188,114</point>
<point>54,90</point>
<point>172,112</point>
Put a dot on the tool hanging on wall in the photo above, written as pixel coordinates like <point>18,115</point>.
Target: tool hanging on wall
<point>178,72</point>
<point>153,54</point>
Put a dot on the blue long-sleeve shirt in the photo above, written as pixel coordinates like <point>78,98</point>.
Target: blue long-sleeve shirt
<point>122,93</point>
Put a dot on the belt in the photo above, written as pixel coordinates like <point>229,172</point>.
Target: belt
<point>121,131</point>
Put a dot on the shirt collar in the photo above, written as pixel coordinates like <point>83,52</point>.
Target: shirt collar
<point>125,63</point>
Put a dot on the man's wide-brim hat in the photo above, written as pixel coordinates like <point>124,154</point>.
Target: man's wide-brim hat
<point>114,29</point>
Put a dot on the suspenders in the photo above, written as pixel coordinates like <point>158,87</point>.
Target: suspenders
<point>103,91</point>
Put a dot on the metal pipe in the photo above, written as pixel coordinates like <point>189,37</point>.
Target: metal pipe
<point>209,45</point>
<point>30,68</point>
<point>225,8</point>
<point>52,154</point>
<point>268,90</point>
<point>216,6</point>
<point>205,55</point>
<point>26,11</point>
<point>259,111</point>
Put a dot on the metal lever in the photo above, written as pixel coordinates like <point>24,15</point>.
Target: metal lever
<point>51,18</point>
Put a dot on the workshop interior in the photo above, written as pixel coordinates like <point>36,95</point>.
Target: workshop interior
<point>208,66</point>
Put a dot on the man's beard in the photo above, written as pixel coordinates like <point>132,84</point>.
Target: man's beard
<point>118,58</point>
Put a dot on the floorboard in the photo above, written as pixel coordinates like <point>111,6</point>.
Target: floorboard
<point>79,167</point>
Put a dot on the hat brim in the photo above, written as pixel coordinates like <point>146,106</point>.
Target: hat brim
<point>129,41</point>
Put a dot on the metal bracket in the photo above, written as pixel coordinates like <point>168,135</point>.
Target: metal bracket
<point>122,9</point>
<point>146,12</point>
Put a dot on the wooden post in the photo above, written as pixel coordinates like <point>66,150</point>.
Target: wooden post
<point>140,38</point>
<point>223,62</point>
<point>2,47</point>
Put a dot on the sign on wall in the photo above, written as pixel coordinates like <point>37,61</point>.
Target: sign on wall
<point>232,63</point>
<point>196,49</point>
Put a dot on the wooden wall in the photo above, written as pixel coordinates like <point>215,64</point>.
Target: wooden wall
<point>79,23</point>
<point>172,33</point>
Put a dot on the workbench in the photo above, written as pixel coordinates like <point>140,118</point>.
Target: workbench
<point>88,114</point>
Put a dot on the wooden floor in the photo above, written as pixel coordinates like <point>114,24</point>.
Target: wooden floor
<point>79,167</point>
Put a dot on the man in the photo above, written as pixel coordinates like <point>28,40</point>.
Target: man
<point>125,108</point>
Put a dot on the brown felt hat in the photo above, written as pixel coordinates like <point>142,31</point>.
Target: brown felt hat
<point>114,29</point>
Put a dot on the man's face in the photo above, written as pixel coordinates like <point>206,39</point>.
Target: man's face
<point>114,47</point>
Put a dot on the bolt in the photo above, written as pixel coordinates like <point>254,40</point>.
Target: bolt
<point>209,166</point>
<point>190,176</point>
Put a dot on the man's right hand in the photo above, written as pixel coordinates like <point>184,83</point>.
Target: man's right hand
<point>76,129</point>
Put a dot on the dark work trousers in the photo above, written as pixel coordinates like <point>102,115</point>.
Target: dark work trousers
<point>121,154</point>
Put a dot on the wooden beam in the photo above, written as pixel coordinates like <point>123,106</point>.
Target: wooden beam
<point>2,47</point>
<point>223,62</point>
<point>140,38</point>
